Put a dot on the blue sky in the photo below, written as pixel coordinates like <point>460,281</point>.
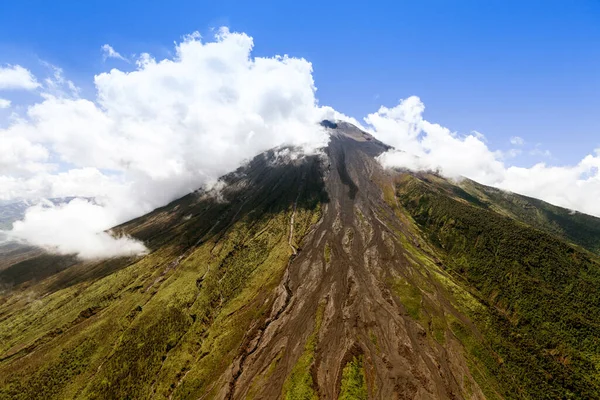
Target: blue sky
<point>503,68</point>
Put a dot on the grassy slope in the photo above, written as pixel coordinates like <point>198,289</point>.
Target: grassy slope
<point>134,339</point>
<point>441,304</point>
<point>354,381</point>
<point>299,385</point>
<point>170,323</point>
<point>540,294</point>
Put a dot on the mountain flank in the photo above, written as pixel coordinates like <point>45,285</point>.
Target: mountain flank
<point>317,277</point>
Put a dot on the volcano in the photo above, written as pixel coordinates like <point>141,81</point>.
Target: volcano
<point>319,276</point>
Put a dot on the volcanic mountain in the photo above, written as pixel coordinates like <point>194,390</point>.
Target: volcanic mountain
<point>317,277</point>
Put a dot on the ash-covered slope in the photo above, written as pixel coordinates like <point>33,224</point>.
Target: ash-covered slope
<point>316,277</point>
<point>338,320</point>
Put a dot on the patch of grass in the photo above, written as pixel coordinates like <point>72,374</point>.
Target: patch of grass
<point>138,359</point>
<point>438,326</point>
<point>354,382</point>
<point>223,316</point>
<point>410,297</point>
<point>479,359</point>
<point>299,385</point>
<point>49,381</point>
<point>327,253</point>
<point>374,340</point>
<point>468,387</point>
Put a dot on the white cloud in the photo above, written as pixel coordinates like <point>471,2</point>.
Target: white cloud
<point>109,52</point>
<point>430,146</point>
<point>13,77</point>
<point>83,235</point>
<point>152,135</point>
<point>4,103</point>
<point>20,156</point>
<point>517,141</point>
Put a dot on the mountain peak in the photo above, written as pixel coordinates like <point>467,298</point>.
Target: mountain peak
<point>343,128</point>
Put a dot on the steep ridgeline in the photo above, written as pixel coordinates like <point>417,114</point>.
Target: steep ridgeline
<point>321,277</point>
<point>580,229</point>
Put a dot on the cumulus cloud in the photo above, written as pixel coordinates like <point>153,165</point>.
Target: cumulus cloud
<point>82,236</point>
<point>4,103</point>
<point>109,52</point>
<point>422,145</point>
<point>15,77</point>
<point>152,135</point>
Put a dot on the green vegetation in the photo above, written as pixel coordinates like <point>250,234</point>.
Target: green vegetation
<point>481,361</point>
<point>138,358</point>
<point>438,327</point>
<point>51,379</point>
<point>327,253</point>
<point>581,229</point>
<point>354,381</point>
<point>541,297</point>
<point>299,385</point>
<point>410,297</point>
<point>165,325</point>
<point>375,342</point>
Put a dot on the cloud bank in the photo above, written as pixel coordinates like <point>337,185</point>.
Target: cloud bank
<point>422,145</point>
<point>149,136</point>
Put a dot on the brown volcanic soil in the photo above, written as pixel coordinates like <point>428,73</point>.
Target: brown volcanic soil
<point>362,315</point>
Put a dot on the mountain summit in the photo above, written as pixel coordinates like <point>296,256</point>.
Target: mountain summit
<point>317,277</point>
